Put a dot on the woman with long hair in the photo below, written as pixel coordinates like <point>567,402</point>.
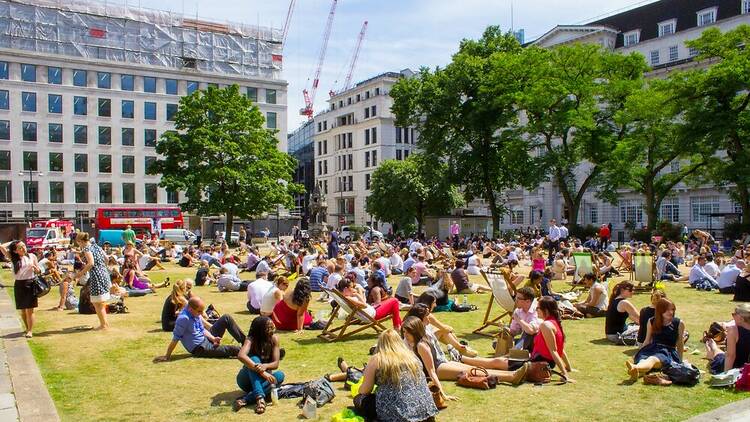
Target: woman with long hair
<point>174,304</point>
<point>618,311</point>
<point>664,342</point>
<point>549,343</point>
<point>99,280</point>
<point>648,312</point>
<point>290,313</point>
<point>260,355</point>
<point>415,336</point>
<point>25,266</point>
<point>136,282</point>
<point>347,287</point>
<point>402,394</point>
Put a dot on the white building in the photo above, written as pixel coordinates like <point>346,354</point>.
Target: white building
<point>87,89</point>
<point>352,137</point>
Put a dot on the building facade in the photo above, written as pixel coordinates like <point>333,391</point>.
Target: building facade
<point>301,144</point>
<point>352,137</point>
<point>86,91</point>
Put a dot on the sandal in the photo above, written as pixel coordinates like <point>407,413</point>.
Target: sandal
<point>239,404</point>
<point>260,406</point>
<point>339,361</point>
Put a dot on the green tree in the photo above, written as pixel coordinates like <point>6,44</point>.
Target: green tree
<point>408,190</point>
<point>466,114</point>
<point>223,158</point>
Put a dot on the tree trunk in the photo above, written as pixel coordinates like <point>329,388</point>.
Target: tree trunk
<point>744,200</point>
<point>420,218</point>
<point>651,204</point>
<point>228,226</point>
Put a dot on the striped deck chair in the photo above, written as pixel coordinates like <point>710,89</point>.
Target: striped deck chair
<point>503,294</point>
<point>644,272</point>
<point>625,263</point>
<point>353,317</point>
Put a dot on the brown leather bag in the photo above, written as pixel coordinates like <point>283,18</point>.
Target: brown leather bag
<point>539,373</point>
<point>437,397</point>
<point>504,342</point>
<point>477,378</point>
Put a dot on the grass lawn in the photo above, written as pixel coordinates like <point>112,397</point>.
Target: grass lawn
<point>110,376</point>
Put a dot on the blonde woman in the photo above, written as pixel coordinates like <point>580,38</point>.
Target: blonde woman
<point>402,394</point>
<point>174,303</point>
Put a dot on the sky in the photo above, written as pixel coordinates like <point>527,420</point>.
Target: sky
<point>401,33</point>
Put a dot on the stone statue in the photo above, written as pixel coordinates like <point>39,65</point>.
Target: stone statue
<point>318,214</point>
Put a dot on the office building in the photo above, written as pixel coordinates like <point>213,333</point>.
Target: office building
<point>301,144</point>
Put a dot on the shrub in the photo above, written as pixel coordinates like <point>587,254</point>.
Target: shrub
<point>641,235</point>
<point>734,229</point>
<point>668,231</point>
<point>356,231</point>
<point>582,232</point>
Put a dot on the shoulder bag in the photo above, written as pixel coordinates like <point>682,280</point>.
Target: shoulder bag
<point>40,285</point>
<point>477,378</point>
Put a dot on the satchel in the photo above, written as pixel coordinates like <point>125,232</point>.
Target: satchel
<point>682,373</point>
<point>539,372</point>
<point>40,286</point>
<point>503,343</point>
<point>437,397</point>
<point>477,378</point>
<point>321,391</point>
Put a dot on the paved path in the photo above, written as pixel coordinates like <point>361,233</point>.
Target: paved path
<point>736,412</point>
<point>23,394</point>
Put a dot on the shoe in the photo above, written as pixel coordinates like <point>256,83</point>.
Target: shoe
<point>455,355</point>
<point>373,350</point>
<point>656,379</point>
<point>239,404</point>
<point>519,375</point>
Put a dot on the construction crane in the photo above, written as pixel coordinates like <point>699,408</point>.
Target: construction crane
<point>353,62</point>
<point>310,95</point>
<point>289,14</point>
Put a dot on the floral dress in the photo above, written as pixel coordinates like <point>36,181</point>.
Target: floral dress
<point>410,401</point>
<point>99,280</point>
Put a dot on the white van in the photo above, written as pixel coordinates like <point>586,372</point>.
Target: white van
<point>178,236</point>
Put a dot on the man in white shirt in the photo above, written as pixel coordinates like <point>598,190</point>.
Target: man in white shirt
<point>397,263</point>
<point>699,278</point>
<point>729,276</point>
<point>308,261</point>
<point>415,246</point>
<point>232,269</point>
<point>263,266</point>
<point>711,268</point>
<point>553,239</point>
<point>229,283</point>
<point>563,233</point>
<point>385,264</point>
<point>255,292</point>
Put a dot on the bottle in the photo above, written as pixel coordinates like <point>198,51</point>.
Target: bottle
<point>275,396</point>
<point>466,300</point>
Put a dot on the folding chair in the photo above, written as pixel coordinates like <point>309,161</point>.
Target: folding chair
<point>644,272</point>
<point>503,293</point>
<point>625,264</point>
<point>354,317</point>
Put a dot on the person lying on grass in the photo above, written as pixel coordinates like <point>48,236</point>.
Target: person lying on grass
<point>260,356</point>
<point>664,342</point>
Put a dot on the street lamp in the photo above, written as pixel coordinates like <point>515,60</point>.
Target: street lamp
<point>28,191</point>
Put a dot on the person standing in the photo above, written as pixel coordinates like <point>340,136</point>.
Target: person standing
<point>198,236</point>
<point>553,239</point>
<point>128,235</point>
<point>333,244</point>
<point>25,266</point>
<point>563,233</point>
<point>99,281</point>
<point>455,231</point>
<point>243,235</point>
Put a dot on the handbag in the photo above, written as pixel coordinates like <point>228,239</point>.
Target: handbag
<point>539,372</point>
<point>477,378</point>
<point>437,397</point>
<point>682,373</point>
<point>503,343</point>
<point>40,286</point>
<point>743,383</point>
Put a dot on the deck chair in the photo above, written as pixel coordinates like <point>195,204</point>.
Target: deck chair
<point>644,272</point>
<point>503,292</point>
<point>584,263</point>
<point>383,247</point>
<point>354,317</point>
<point>625,264</point>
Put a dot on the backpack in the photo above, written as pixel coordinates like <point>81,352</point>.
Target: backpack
<point>682,373</point>
<point>320,390</point>
<point>117,308</point>
<point>84,304</point>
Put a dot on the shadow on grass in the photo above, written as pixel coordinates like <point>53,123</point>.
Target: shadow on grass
<point>68,330</point>
<point>315,340</point>
<point>227,398</point>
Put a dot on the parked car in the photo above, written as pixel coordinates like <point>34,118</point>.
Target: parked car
<point>178,236</point>
<point>346,235</point>
<point>233,238</point>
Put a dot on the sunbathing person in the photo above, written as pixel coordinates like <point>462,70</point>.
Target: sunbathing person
<point>737,343</point>
<point>138,282</point>
<point>441,289</point>
<point>290,313</point>
<point>273,296</point>
<point>463,284</point>
<point>377,311</point>
<point>260,356</point>
<point>648,312</point>
<point>549,344</point>
<point>423,309</point>
<point>413,333</point>
<point>595,304</point>
<point>664,342</point>
<point>174,304</point>
<point>618,311</point>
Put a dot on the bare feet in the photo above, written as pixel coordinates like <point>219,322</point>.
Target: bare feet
<point>102,328</point>
<point>28,334</point>
<point>632,370</point>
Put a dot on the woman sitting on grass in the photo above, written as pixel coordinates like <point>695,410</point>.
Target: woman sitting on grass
<point>423,310</point>
<point>130,275</point>
<point>260,355</point>
<point>174,303</point>
<point>664,342</point>
<point>549,343</point>
<point>595,304</point>
<point>618,311</point>
<point>648,312</point>
<point>290,313</point>
<point>441,289</point>
<point>738,343</point>
<point>376,291</point>
<point>413,332</point>
<point>347,287</point>
<point>273,296</point>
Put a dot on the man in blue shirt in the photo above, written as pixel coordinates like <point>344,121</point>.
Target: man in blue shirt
<point>318,276</point>
<point>200,338</point>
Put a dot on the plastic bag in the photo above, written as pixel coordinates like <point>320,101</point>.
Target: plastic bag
<point>347,415</point>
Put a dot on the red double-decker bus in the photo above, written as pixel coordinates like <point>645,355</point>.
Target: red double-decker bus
<point>142,220</point>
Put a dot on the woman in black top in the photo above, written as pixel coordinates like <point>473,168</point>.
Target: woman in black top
<point>664,342</point>
<point>618,311</point>
<point>647,313</point>
<point>738,343</point>
<point>742,287</point>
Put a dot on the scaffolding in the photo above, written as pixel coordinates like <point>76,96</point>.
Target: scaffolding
<point>129,34</point>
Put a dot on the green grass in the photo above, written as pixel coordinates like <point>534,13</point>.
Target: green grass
<point>110,376</point>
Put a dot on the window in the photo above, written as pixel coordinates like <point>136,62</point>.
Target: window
<point>82,192</point>
<point>150,193</point>
<point>54,103</point>
<point>28,101</point>
<point>5,191</point>
<point>171,111</point>
<point>3,70</point>
<point>374,111</point>
<point>374,134</point>
<point>406,135</point>
<point>701,206</point>
<point>80,134</point>
<point>29,131</point>
<point>5,130</point>
<point>55,132</point>
<point>56,192</point>
<point>192,86</point>
<point>170,86</point>
<point>377,91</point>
<point>105,163</point>
<point>28,72</point>
<point>667,27</point>
<point>148,161</point>
<point>127,82</point>
<point>105,193</point>
<point>707,16</point>
<point>736,207</point>
<point>270,96</point>
<point>30,191</point>
<point>374,158</point>
<point>631,211</point>
<point>516,217</point>
<point>54,75</point>
<point>367,136</point>
<point>252,94</point>
<point>81,163</point>
<point>80,106</point>
<point>128,193</point>
<point>594,214</point>
<point>399,155</point>
<point>173,197</point>
<point>128,164</point>
<point>4,160</point>
<point>149,84</point>
<point>745,9</point>
<point>692,52</point>
<point>367,181</point>
<point>367,112</point>
<point>57,214</point>
<point>149,110</point>
<point>79,77</point>
<point>149,137</point>
<point>127,136</point>
<point>105,135</point>
<point>631,38</point>
<point>55,161</point>
<point>103,80</point>
<point>406,154</point>
<point>367,158</point>
<point>128,109</point>
<point>673,53</point>
<point>670,210</point>
<point>271,120</point>
<point>4,100</point>
<point>654,57</point>
<point>105,107</point>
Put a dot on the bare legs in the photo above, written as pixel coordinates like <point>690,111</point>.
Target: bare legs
<point>487,363</point>
<point>712,349</point>
<point>449,371</point>
<point>635,370</point>
<point>27,315</point>
<point>446,337</point>
<point>101,313</point>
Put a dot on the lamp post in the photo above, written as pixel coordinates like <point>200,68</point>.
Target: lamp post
<point>28,190</point>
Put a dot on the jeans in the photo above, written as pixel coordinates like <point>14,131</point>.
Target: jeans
<point>214,261</point>
<point>137,292</point>
<point>221,326</point>
<point>254,385</point>
<point>554,246</point>
<point>396,271</point>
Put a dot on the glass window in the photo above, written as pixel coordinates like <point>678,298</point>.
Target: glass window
<point>54,75</point>
<point>192,86</point>
<point>105,107</point>
<point>147,162</point>
<point>702,206</point>
<point>28,101</point>
<point>271,120</point>
<point>104,80</point>
<point>654,57</point>
<point>170,86</point>
<point>127,82</point>
<point>82,192</point>
<point>745,7</point>
<point>667,28</point>
<point>631,211</point>
<point>128,193</point>
<point>252,94</point>
<point>149,84</point>
<point>173,197</point>
<point>670,210</point>
<point>375,158</point>
<point>80,77</point>
<point>706,17</point>
<point>631,38</point>
<point>105,135</point>
<point>30,161</point>
<point>80,106</point>
<point>30,191</point>
<point>128,136</point>
<point>271,96</point>
<point>81,163</point>
<point>171,111</point>
<point>516,216</point>
<point>150,193</point>
<point>128,109</point>
<point>149,137</point>
<point>374,135</point>
<point>673,53</point>
<point>128,164</point>
<point>5,191</point>
<point>4,160</point>
<point>5,130</point>
<point>80,134</point>
<point>4,99</point>
<point>55,161</point>
<point>105,163</point>
<point>29,131</point>
<point>56,192</point>
<point>54,102</point>
<point>3,70</point>
<point>28,72</point>
<point>55,131</point>
<point>374,111</point>
<point>367,181</point>
<point>105,193</point>
<point>149,110</point>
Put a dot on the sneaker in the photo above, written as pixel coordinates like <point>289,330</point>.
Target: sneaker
<point>454,354</point>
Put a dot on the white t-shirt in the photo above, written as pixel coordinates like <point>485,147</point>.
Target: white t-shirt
<point>385,265</point>
<point>256,290</point>
<point>333,281</point>
<point>712,269</point>
<point>268,301</point>
<point>232,268</point>
<point>143,261</point>
<point>414,246</point>
<point>307,263</point>
<point>728,276</point>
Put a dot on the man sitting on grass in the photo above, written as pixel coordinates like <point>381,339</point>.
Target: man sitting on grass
<point>201,339</point>
<point>228,282</point>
